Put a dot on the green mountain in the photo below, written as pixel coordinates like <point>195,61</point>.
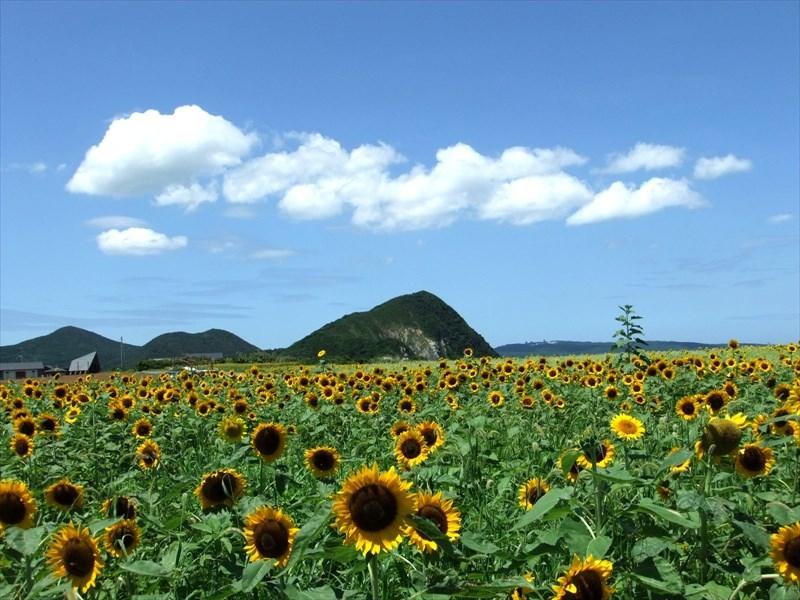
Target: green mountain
<point>567,348</point>
<point>414,326</point>
<point>60,347</point>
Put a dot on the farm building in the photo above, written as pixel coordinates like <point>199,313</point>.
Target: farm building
<point>88,363</point>
<point>21,370</point>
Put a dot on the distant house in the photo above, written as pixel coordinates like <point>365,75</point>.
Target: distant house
<point>21,370</point>
<point>88,363</point>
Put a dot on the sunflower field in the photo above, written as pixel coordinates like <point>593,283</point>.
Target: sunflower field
<point>667,476</point>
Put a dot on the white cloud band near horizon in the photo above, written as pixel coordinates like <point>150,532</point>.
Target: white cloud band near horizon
<point>138,241</point>
<point>189,158</point>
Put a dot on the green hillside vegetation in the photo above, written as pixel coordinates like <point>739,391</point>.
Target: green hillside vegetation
<point>179,343</point>
<point>414,326</point>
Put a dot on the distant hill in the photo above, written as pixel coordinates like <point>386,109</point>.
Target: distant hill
<point>60,347</point>
<point>414,326</point>
<point>565,348</point>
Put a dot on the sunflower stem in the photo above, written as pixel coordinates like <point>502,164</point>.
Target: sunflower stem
<point>704,543</point>
<point>374,576</point>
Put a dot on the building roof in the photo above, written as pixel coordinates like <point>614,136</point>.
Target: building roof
<point>21,366</point>
<point>82,363</point>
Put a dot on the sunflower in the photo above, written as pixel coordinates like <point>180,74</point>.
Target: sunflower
<point>687,408</point>
<point>371,509</point>
<point>410,449</point>
<point>122,538</point>
<point>520,592</point>
<point>64,495</point>
<point>532,491</point>
<point>21,445</point>
<point>407,405</point>
<point>220,488</point>
<point>322,461</point>
<point>723,434</point>
<point>400,427</point>
<point>442,513</point>
<point>753,460</point>
<point>149,454</point>
<point>269,535</point>
<point>25,425</point>
<point>143,428</point>
<point>433,434</point>
<point>120,506</point>
<point>785,552</point>
<point>17,506</point>
<point>73,554</point>
<point>48,424</point>
<point>682,467</point>
<point>232,429</point>
<point>715,401</point>
<point>602,453</point>
<point>627,427</point>
<point>496,399</point>
<point>72,414</point>
<point>268,441</point>
<point>585,580</point>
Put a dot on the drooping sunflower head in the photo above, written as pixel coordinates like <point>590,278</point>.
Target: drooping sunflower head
<point>723,435</point>
<point>232,428</point>
<point>585,580</point>
<point>371,509</point>
<point>432,433</point>
<point>64,495</point>
<point>441,512</point>
<point>410,449</point>
<point>322,461</point>
<point>21,445</point>
<point>122,538</point>
<point>269,535</point>
<point>268,441</point>
<point>531,491</point>
<point>148,454</point>
<point>220,488</point>
<point>753,460</point>
<point>73,554</point>
<point>627,427</point>
<point>785,552</point>
<point>119,507</point>
<point>17,506</point>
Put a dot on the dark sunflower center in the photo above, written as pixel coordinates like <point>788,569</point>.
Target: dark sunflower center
<point>597,452</point>
<point>778,422</point>
<point>322,460</point>
<point>435,514</point>
<point>124,508</point>
<point>12,508</point>
<point>268,441</point>
<point>534,493</point>
<point>715,401</point>
<point>219,487</point>
<point>688,408</point>
<point>78,558</point>
<point>233,430</point>
<point>753,459</point>
<point>47,424</point>
<point>27,428</point>
<point>143,429</point>
<point>373,507</point>
<point>271,539</point>
<point>124,538</point>
<point>588,586</point>
<point>65,494</point>
<point>429,435</point>
<point>792,552</point>
<point>410,448</point>
<point>21,446</point>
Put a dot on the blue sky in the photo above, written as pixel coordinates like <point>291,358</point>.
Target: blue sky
<point>266,168</point>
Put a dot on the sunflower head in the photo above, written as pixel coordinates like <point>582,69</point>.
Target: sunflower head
<point>593,451</point>
<point>268,441</point>
<point>119,507</point>
<point>232,429</point>
<point>149,454</point>
<point>143,428</point>
<point>73,554</point>
<point>410,449</point>
<point>531,492</point>
<point>441,512</point>
<point>220,488</point>
<point>753,460</point>
<point>785,552</point>
<point>687,408</point>
<point>322,461</point>
<point>627,427</point>
<point>21,445</point>
<point>122,538</point>
<point>723,434</point>
<point>432,433</point>
<point>585,580</point>
<point>372,508</point>
<point>269,535</point>
<point>17,506</point>
<point>64,495</point>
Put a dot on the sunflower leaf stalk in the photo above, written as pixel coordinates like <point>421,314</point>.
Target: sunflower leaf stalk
<point>374,576</point>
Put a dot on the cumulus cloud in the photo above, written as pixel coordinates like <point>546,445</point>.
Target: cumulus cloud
<point>114,222</point>
<point>780,218</point>
<point>145,152</point>
<point>189,197</point>
<point>320,178</point>
<point>717,166</point>
<point>623,201</point>
<point>645,156</point>
<point>138,241</point>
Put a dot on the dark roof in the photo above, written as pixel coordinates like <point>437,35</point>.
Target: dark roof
<point>82,363</point>
<point>21,366</point>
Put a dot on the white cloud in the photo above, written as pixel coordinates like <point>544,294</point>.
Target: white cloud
<point>780,218</point>
<point>190,197</point>
<point>145,152</point>
<point>35,168</point>
<point>114,222</point>
<point>536,198</point>
<point>61,166</point>
<point>645,156</point>
<point>138,241</point>
<point>319,179</point>
<point>272,254</point>
<point>717,166</point>
<point>622,201</point>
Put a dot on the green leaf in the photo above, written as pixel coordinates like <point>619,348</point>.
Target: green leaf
<point>754,533</point>
<point>25,541</point>
<point>647,548</point>
<point>321,593</point>
<point>427,527</point>
<point>660,575</point>
<point>598,546</point>
<point>309,532</point>
<point>783,514</point>
<point>145,567</point>
<point>675,459</point>
<point>616,475</point>
<point>492,589</point>
<point>468,539</point>
<point>254,573</point>
<point>689,521</point>
<point>544,505</point>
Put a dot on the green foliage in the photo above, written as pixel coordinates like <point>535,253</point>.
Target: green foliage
<point>628,339</point>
